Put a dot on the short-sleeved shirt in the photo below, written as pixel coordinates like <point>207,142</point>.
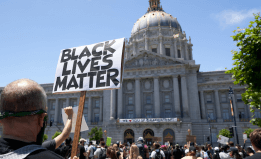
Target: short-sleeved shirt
<point>153,154</point>
<point>9,145</point>
<point>90,148</point>
<point>98,152</point>
<point>82,150</point>
<point>49,145</point>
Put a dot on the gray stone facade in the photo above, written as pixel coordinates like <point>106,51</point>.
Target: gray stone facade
<point>161,80</point>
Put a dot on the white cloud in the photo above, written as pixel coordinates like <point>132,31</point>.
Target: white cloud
<point>220,69</point>
<point>231,17</point>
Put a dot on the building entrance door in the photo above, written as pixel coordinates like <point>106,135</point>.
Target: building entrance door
<point>169,136</point>
<point>129,136</point>
<point>148,136</point>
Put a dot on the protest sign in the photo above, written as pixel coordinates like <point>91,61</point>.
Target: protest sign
<point>191,138</point>
<point>90,67</point>
<point>244,136</point>
<point>84,126</point>
<point>223,139</point>
<point>108,142</point>
<point>94,142</point>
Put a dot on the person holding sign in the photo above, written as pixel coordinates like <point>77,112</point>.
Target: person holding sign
<point>23,116</point>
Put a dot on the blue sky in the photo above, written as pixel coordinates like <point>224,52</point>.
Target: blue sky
<point>32,32</point>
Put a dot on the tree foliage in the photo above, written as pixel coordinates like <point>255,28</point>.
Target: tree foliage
<point>95,134</point>
<point>45,137</point>
<point>56,134</point>
<point>248,131</point>
<point>224,132</point>
<point>247,65</point>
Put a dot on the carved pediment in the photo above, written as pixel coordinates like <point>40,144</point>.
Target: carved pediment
<point>147,59</point>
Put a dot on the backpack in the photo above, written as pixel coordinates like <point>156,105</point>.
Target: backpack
<point>158,154</point>
<point>103,154</point>
<point>141,150</point>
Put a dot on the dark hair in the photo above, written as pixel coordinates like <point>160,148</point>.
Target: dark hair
<point>255,138</point>
<point>236,155</point>
<point>191,153</point>
<point>231,143</point>
<point>102,143</point>
<point>157,146</point>
<point>68,141</point>
<point>250,150</point>
<point>113,154</point>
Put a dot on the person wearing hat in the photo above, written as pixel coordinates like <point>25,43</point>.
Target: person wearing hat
<point>216,153</point>
<point>177,153</point>
<point>144,152</point>
<point>82,149</point>
<point>191,154</point>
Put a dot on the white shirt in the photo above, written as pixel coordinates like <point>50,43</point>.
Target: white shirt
<point>205,156</point>
<point>90,148</point>
<point>224,155</point>
<point>153,154</point>
<point>98,151</point>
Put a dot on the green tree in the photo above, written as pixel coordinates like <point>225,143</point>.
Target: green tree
<point>56,134</point>
<point>224,132</point>
<point>248,131</point>
<point>45,137</point>
<point>95,134</point>
<point>247,65</point>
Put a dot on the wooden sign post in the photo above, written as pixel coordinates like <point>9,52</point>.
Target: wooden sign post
<point>78,125</point>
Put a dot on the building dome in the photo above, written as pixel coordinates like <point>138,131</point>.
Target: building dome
<point>155,17</point>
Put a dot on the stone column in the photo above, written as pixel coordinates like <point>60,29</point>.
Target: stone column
<point>156,97</point>
<point>217,104</point>
<point>134,47</point>
<point>67,102</point>
<point>137,97</point>
<point>161,46</point>
<point>101,109</point>
<point>203,104</point>
<point>184,95</point>
<point>90,109</point>
<point>56,115</point>
<point>176,95</point>
<point>120,103</point>
<point>113,111</point>
<point>175,48</point>
<point>186,50</point>
<point>180,47</point>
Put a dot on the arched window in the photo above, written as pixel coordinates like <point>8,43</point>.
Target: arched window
<point>168,135</point>
<point>148,136</point>
<point>129,136</point>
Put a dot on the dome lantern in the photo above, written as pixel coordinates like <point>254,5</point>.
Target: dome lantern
<point>155,6</point>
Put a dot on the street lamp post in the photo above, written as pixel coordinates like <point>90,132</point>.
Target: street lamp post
<point>210,130</point>
<point>231,93</point>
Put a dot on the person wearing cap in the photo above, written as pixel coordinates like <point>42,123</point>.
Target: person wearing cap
<point>191,154</point>
<point>216,153</point>
<point>255,138</point>
<point>23,113</point>
<point>83,153</point>
<point>144,152</point>
<point>177,153</point>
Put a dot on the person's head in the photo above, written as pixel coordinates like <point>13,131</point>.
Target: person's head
<point>109,151</point>
<point>255,138</point>
<point>177,146</point>
<point>82,141</point>
<point>102,144</point>
<point>192,151</point>
<point>216,149</point>
<point>113,154</point>
<point>209,147</point>
<point>250,151</point>
<point>164,147</point>
<point>234,153</point>
<point>231,143</point>
<point>140,140</point>
<point>23,108</point>
<point>157,145</point>
<point>115,146</point>
<point>134,151</point>
<point>90,143</point>
<point>225,148</point>
<point>68,141</point>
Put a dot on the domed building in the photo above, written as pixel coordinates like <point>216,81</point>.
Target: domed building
<point>163,93</point>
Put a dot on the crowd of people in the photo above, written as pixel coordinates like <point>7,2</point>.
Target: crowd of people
<point>23,111</point>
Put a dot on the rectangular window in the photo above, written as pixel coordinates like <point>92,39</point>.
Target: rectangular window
<point>166,98</point>
<point>225,114</point>
<point>130,100</point>
<point>154,50</point>
<point>86,103</point>
<point>53,105</point>
<point>148,100</point>
<point>239,98</point>
<point>223,98</point>
<point>209,99</point>
<point>97,103</point>
<point>167,113</point>
<point>148,113</point>
<point>241,113</point>
<point>130,114</point>
<point>96,117</point>
<point>179,55</point>
<point>211,114</point>
<point>167,50</point>
<point>86,117</point>
<point>73,102</point>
